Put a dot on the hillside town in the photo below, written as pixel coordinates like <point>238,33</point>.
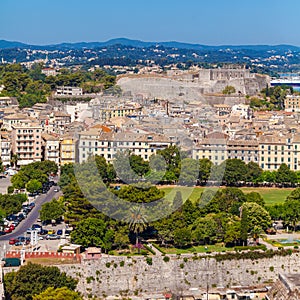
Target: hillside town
<point>149,150</point>
<point>214,126</point>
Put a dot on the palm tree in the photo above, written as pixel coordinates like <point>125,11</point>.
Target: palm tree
<point>14,160</point>
<point>137,222</point>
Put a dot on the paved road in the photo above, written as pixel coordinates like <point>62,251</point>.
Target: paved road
<point>32,216</point>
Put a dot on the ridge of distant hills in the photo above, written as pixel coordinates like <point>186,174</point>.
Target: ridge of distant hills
<point>4,44</point>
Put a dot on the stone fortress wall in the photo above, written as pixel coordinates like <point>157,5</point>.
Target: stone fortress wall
<point>192,86</point>
<point>111,275</point>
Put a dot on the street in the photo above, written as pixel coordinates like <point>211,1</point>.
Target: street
<point>33,215</point>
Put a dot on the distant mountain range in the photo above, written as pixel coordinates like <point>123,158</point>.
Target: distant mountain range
<point>4,44</point>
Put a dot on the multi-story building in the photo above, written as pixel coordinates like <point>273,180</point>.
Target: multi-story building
<point>27,142</point>
<point>269,151</point>
<point>105,114</point>
<point>5,148</point>
<point>292,103</point>
<point>14,120</point>
<point>107,144</point>
<point>213,147</point>
<point>60,120</point>
<point>246,150</point>
<point>51,148</point>
<point>275,150</point>
<point>68,149</point>
<point>68,91</point>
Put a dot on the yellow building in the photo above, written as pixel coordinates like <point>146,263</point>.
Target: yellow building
<point>68,149</point>
<point>275,150</point>
<point>292,103</point>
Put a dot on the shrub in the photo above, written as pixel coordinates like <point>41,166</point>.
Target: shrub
<point>272,269</point>
<point>166,258</point>
<point>181,265</point>
<point>122,263</point>
<point>108,264</point>
<point>149,261</point>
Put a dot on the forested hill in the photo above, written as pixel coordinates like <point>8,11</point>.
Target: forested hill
<point>125,52</point>
<point>137,43</point>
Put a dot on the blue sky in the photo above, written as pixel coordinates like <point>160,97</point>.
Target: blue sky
<point>214,22</point>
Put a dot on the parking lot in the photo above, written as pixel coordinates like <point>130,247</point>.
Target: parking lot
<point>44,244</point>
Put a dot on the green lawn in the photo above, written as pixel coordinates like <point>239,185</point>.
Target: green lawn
<point>196,249</point>
<point>271,195</point>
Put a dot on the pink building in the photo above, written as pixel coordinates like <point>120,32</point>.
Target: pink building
<point>27,142</point>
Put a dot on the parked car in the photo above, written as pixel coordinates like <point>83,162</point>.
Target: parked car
<point>18,244</point>
<point>11,217</point>
<point>36,227</point>
<point>51,231</point>
<point>7,230</point>
<point>12,241</point>
<point>12,226</point>
<point>16,223</point>
<point>59,232</point>
<point>52,237</point>
<point>56,190</point>
<point>43,232</point>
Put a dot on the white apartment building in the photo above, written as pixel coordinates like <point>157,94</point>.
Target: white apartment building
<point>51,148</point>
<point>5,149</point>
<point>94,141</point>
<point>68,91</point>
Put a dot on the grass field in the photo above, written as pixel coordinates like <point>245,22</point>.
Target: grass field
<point>270,195</point>
<point>196,249</point>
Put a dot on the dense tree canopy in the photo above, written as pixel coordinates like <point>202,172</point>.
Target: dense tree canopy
<point>93,232</point>
<point>51,210</point>
<point>32,279</point>
<point>30,86</point>
<point>62,293</point>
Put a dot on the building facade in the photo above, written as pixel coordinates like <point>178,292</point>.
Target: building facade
<point>51,148</point>
<point>68,150</point>
<point>292,103</point>
<point>94,142</point>
<point>68,91</point>
<point>27,142</point>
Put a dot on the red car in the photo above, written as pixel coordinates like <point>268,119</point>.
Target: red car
<point>12,226</point>
<point>7,230</point>
<point>13,241</point>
